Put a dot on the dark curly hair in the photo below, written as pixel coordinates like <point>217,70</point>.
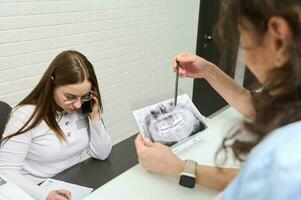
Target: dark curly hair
<point>284,106</point>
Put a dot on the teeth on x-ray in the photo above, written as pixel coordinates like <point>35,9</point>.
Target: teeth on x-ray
<point>169,125</point>
<point>169,122</point>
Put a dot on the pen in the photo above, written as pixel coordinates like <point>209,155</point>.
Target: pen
<point>177,84</point>
<point>62,194</point>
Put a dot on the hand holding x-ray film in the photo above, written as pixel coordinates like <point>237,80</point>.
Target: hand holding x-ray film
<point>169,125</point>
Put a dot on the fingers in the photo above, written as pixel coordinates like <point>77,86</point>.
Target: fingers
<point>142,144</point>
<point>95,99</point>
<point>139,142</point>
<point>183,60</point>
<point>147,142</point>
<point>63,194</point>
<point>59,197</point>
<point>68,193</point>
<point>139,138</point>
<point>94,94</point>
<point>174,62</point>
<point>184,57</point>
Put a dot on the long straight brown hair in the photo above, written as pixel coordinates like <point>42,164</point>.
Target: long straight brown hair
<point>69,67</point>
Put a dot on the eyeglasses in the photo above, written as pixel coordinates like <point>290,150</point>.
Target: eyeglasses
<point>72,99</point>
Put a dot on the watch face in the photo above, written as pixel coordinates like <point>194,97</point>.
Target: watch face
<point>187,181</point>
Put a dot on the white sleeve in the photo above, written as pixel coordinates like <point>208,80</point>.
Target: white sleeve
<point>100,144</point>
<point>13,153</point>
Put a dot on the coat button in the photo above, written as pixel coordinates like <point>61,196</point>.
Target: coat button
<point>69,134</point>
<point>67,123</point>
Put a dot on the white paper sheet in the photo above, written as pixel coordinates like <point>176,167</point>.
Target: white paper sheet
<point>78,192</point>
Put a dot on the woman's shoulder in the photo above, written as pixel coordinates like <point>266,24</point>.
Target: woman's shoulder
<point>272,165</point>
<point>19,116</point>
<point>284,136</point>
<point>288,142</point>
<point>280,147</point>
<point>23,111</point>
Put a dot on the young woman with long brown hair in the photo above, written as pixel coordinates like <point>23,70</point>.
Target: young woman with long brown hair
<point>269,32</point>
<point>47,131</point>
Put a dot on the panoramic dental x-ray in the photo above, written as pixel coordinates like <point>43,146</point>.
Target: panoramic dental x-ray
<point>169,124</point>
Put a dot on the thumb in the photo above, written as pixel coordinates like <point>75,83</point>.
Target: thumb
<point>147,142</point>
<point>139,141</point>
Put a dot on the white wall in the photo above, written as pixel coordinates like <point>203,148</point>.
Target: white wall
<point>130,42</point>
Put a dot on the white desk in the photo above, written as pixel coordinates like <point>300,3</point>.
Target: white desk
<point>10,191</point>
<point>137,184</point>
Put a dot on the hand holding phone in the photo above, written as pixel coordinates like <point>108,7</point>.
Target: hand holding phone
<point>87,106</point>
<point>92,107</point>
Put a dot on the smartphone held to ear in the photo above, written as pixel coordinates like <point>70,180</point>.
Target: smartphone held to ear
<point>87,106</point>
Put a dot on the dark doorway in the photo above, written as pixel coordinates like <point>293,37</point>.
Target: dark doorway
<point>204,97</point>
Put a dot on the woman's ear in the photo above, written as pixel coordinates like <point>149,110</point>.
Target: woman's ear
<point>281,35</point>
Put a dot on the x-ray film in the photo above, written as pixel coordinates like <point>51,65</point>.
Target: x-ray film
<point>170,125</point>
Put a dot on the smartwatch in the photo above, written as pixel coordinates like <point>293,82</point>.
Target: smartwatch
<point>188,175</point>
